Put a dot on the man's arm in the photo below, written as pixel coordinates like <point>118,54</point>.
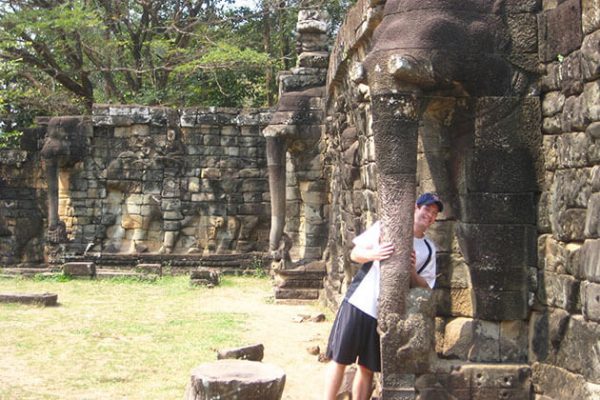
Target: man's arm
<point>417,280</point>
<point>362,254</point>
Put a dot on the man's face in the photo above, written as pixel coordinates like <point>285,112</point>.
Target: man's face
<point>425,215</point>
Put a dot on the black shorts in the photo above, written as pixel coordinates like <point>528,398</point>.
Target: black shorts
<point>354,338</point>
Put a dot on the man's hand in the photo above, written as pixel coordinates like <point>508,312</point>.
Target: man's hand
<point>383,251</point>
<point>379,252</point>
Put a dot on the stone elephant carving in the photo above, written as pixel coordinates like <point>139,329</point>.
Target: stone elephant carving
<point>447,67</point>
<point>64,146</point>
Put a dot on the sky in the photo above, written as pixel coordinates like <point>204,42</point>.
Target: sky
<point>246,3</point>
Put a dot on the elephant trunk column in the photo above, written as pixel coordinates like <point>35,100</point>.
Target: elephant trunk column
<point>396,107</point>
<point>276,167</point>
<point>51,169</point>
<point>395,127</point>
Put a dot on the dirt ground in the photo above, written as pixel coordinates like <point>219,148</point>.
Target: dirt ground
<point>286,340</point>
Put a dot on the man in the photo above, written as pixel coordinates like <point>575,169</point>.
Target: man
<point>354,336</point>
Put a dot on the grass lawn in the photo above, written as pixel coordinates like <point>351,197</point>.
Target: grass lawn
<point>117,339</point>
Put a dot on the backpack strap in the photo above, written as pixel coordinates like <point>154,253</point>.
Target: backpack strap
<point>428,257</point>
<point>362,272</point>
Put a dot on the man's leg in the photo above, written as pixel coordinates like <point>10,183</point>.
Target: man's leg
<point>333,379</point>
<point>363,383</point>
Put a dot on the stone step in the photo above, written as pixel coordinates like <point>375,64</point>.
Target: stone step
<point>28,272</point>
<point>44,299</point>
<point>297,294</point>
<point>299,283</point>
<point>118,274</point>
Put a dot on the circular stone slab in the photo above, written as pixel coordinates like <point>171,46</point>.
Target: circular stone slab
<point>236,379</point>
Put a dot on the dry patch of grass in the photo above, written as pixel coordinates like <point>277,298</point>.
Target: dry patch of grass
<point>117,340</point>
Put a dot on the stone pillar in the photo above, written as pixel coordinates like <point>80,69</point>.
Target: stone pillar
<point>236,380</point>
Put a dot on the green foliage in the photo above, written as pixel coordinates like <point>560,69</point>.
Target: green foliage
<point>258,268</point>
<point>10,140</point>
<point>60,57</point>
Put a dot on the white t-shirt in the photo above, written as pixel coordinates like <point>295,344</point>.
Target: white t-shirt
<point>365,293</point>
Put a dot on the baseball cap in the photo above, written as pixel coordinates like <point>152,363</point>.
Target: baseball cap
<point>430,198</point>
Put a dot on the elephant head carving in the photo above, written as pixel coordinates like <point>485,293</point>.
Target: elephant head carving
<point>64,145</point>
<point>451,63</point>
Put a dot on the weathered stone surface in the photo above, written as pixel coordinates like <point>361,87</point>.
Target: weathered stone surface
<point>574,353</point>
<point>473,340</point>
<point>513,341</point>
<point>590,300</point>
<point>150,268</point>
<point>477,381</point>
<point>285,293</point>
<point>250,353</point>
<point>559,383</point>
<point>573,150</point>
<point>455,302</point>
<point>590,52</point>
<point>590,260</point>
<point>79,269</point>
<point>44,299</point>
<point>493,208</point>
<point>590,19</point>
<point>205,277</point>
<point>560,291</point>
<point>559,30</point>
<point>592,219</point>
<point>553,103</point>
<point>236,380</point>
<point>560,257</point>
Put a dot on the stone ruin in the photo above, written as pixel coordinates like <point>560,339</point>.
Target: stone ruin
<point>492,104</point>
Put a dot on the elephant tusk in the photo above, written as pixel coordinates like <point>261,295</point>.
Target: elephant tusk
<point>408,69</point>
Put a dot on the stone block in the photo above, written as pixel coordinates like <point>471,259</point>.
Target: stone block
<point>590,15</point>
<point>251,380</point>
<point>576,349</point>
<point>155,269</point>
<point>552,103</point>
<point>523,28</point>
<point>500,305</point>
<point>513,341</point>
<point>486,244</point>
<point>559,30</point>
<point>473,340</point>
<point>44,299</point>
<point>205,277</point>
<point>250,353</point>
<point>495,208</point>
<point>558,383</point>
<point>540,348</point>
<point>560,257</point>
<point>571,80</point>
<point>590,300</point>
<point>79,269</point>
<point>592,219</point>
<point>552,125</point>
<point>591,106</point>
<point>297,294</point>
<point>560,291</point>
<point>455,302</point>
<point>590,56</point>
<point>572,150</point>
<point>478,381</point>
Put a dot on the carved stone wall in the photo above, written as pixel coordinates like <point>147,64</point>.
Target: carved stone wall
<point>564,327</point>
<point>152,180</point>
<point>520,167</point>
<point>21,207</point>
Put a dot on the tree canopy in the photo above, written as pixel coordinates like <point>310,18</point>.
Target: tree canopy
<point>61,56</point>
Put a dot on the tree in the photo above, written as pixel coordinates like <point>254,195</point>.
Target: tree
<point>64,55</point>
